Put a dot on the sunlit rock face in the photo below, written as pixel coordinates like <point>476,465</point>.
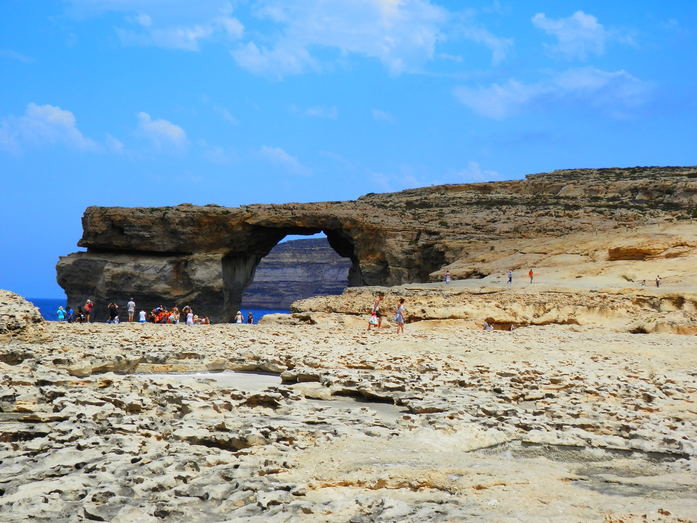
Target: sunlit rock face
<point>205,256</point>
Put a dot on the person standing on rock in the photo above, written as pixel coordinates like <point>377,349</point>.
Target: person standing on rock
<point>531,274</point>
<point>142,316</point>
<point>190,318</point>
<point>239,319</point>
<point>131,306</point>
<point>60,313</point>
<point>658,281</point>
<point>88,308</point>
<point>250,318</point>
<point>447,278</point>
<point>375,316</point>
<point>400,313</point>
<point>510,276</point>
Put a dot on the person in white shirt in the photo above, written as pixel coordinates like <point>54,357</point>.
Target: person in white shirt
<point>131,306</point>
<point>142,316</point>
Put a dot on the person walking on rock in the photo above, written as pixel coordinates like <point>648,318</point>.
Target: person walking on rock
<point>510,276</point>
<point>375,315</point>
<point>400,313</point>
<point>447,277</point>
<point>131,306</point>
<point>61,313</point>
<point>658,281</point>
<point>531,274</point>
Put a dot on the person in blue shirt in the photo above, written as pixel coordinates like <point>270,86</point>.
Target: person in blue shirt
<point>61,313</point>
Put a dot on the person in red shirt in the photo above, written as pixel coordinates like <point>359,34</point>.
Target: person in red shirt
<point>531,274</point>
<point>89,306</point>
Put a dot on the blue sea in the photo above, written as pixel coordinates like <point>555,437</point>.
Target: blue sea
<point>48,308</point>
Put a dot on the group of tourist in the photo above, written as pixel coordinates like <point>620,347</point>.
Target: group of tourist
<point>376,314</point>
<point>160,314</point>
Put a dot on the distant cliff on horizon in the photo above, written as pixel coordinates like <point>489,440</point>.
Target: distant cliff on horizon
<point>295,270</point>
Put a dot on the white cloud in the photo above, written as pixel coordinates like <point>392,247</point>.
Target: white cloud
<point>284,59</point>
<point>400,34</point>
<point>281,158</point>
<point>216,154</point>
<point>382,116</point>
<point>498,100</point>
<point>161,133</point>
<point>301,35</point>
<point>14,55</point>
<point>113,144</point>
<point>172,24</point>
<point>226,115</point>
<point>578,36</point>
<point>499,47</point>
<point>615,92</point>
<point>321,111</point>
<point>42,125</point>
<point>474,173</point>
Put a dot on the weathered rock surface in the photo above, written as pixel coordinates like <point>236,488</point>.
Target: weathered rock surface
<point>542,423</point>
<point>19,319</point>
<point>389,238</point>
<point>294,270</point>
<point>630,310</point>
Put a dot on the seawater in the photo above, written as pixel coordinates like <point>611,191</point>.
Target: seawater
<point>49,306</point>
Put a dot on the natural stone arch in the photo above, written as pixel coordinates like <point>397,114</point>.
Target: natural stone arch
<point>238,268</point>
<point>204,256</point>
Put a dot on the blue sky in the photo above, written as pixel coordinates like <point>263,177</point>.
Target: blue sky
<point>159,102</point>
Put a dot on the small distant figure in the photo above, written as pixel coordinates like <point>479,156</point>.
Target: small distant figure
<point>643,283</point>
<point>61,313</point>
<point>250,318</point>
<point>131,306</point>
<point>205,321</point>
<point>375,315</point>
<point>239,319</point>
<point>447,277</point>
<point>531,275</point>
<point>400,313</point>
<point>70,315</point>
<point>487,326</point>
<point>113,313</point>
<point>88,308</point>
<point>658,281</point>
<point>190,317</point>
<point>510,277</point>
<point>142,316</point>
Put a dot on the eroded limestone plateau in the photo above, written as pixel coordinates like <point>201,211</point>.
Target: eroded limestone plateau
<point>545,423</point>
<point>206,256</point>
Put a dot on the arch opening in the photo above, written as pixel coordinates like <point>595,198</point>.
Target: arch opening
<point>313,276</point>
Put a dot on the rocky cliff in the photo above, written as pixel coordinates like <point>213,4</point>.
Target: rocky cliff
<point>206,256</point>
<point>294,270</point>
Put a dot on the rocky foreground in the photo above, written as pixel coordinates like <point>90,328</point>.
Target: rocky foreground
<point>561,423</point>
